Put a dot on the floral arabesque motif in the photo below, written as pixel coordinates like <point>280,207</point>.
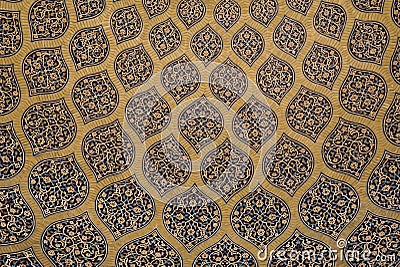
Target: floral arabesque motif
<point>330,20</point>
<point>254,123</point>
<point>363,92</point>
<point>10,92</point>
<point>228,82</point>
<point>48,19</point>
<point>226,170</point>
<point>260,217</point>
<point>148,113</point>
<point>383,183</point>
<point>391,121</point>
<point>225,253</point>
<point>88,9</point>
<point>191,217</point>
<point>329,206</point>
<point>125,207</point>
<point>166,164</point>
<point>17,220</point>
<point>58,184</point>
<point>309,112</point>
<point>275,78</point>
<point>151,249</point>
<point>349,148</point>
<point>49,126</point>
<point>288,164</point>
<point>11,36</point>
<point>368,41</point>
<point>290,36</point>
<point>108,150</point>
<point>227,13</point>
<point>165,38</point>
<point>74,241</point>
<point>126,23</point>
<point>95,96</point>
<point>45,71</point>
<point>181,78</point>
<point>12,154</point>
<point>206,44</point>
<point>133,67</point>
<point>89,47</point>
<point>200,123</point>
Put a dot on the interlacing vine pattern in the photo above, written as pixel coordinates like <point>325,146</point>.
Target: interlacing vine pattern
<point>201,133</point>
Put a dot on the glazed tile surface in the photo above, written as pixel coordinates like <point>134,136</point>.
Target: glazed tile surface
<point>199,133</point>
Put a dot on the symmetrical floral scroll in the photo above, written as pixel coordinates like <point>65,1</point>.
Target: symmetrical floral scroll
<point>155,7</point>
<point>232,254</point>
<point>288,164</point>
<point>227,13</point>
<point>322,65</point>
<point>10,92</point>
<point>376,236</point>
<point>369,6</point>
<point>309,112</point>
<point>151,249</point>
<point>330,20</point>
<point>89,47</point>
<point>263,11</point>
<point>12,158</point>
<point>11,37</point>
<point>133,67</point>
<point>383,183</point>
<point>148,113</point>
<point>125,207</point>
<point>165,38</point>
<point>228,82</point>
<point>75,241</point>
<point>301,6</point>
<point>25,257</point>
<point>260,217</point>
<point>17,221</point>
<point>255,123</point>
<point>88,9</point>
<point>45,71</point>
<point>301,245</point>
<point>329,206</point>
<point>227,170</point>
<point>363,92</point>
<point>58,184</point>
<point>368,41</point>
<point>391,122</point>
<point>49,126</point>
<point>290,36</point>
<point>41,13</point>
<point>192,217</point>
<point>349,148</point>
<point>191,12</point>
<point>200,123</point>
<point>206,44</point>
<point>126,23</point>
<point>108,150</point>
<point>248,44</point>
<point>181,78</point>
<point>95,96</point>
<point>166,164</point>
<point>275,78</point>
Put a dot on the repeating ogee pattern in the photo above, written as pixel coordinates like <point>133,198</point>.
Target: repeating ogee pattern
<point>198,132</point>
